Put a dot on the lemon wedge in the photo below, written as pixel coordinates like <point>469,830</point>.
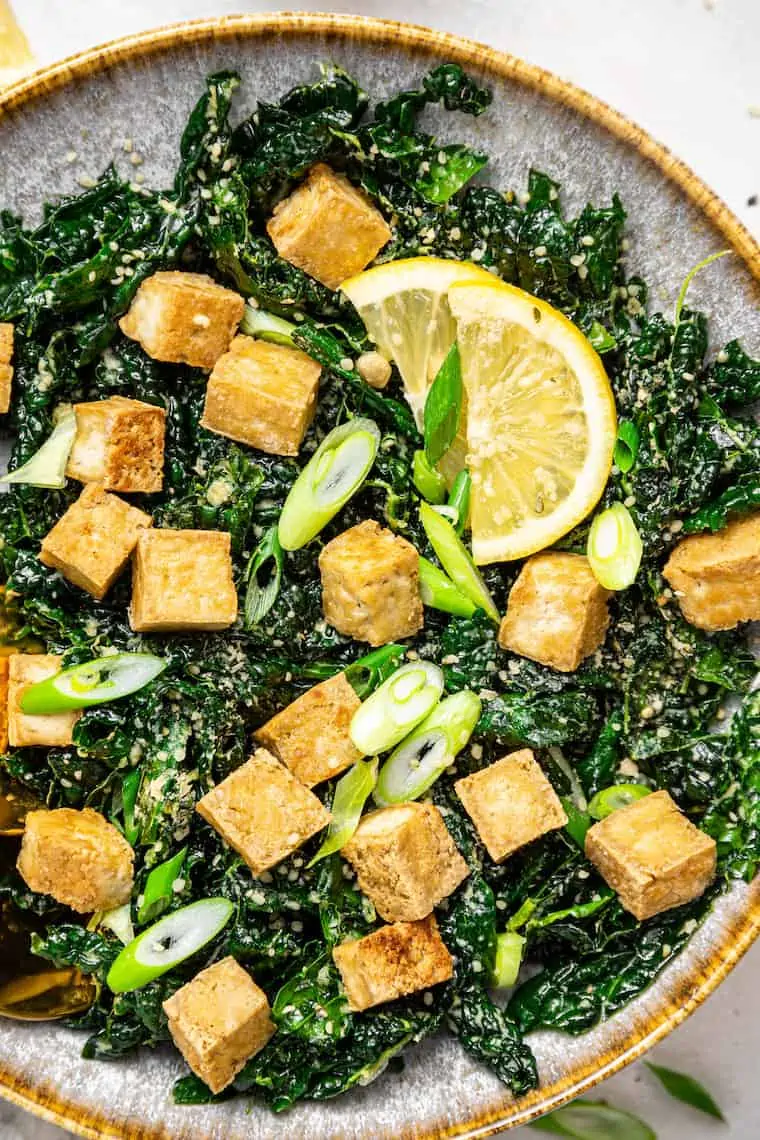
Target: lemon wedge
<point>405,310</point>
<point>541,423</point>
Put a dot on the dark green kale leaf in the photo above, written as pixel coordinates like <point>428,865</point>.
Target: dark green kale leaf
<point>572,995</point>
<point>514,719</point>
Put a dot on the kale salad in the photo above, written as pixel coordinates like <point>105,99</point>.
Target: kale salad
<point>510,789</point>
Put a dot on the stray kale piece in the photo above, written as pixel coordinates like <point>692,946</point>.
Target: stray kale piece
<point>642,708</point>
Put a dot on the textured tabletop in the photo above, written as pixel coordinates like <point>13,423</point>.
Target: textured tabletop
<point>686,70</point>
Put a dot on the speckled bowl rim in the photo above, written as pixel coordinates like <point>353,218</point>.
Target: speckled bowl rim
<point>736,936</point>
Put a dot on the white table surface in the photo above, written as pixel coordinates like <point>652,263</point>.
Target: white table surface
<point>687,71</point>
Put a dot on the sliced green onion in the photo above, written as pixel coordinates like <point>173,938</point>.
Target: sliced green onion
<point>351,794</point>
<point>398,706</point>
<point>600,338</point>
<point>334,473</point>
<point>47,467</point>
<point>614,548</point>
<point>608,800</point>
<point>429,750</point>
<point>509,955</point>
<point>371,670</point>
<point>429,482</point>
<point>578,822</point>
<point>130,786</point>
<point>457,560</point>
<point>459,499</point>
<point>443,407</point>
<point>266,326</point>
<point>167,943</point>
<point>119,922</point>
<point>92,683</point>
<point>159,887</point>
<point>437,590</point>
<point>626,446</point>
<point>259,598</point>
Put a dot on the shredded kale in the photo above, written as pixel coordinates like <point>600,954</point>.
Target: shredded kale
<point>643,707</point>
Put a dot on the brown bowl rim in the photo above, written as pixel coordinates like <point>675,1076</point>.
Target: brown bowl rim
<point>742,930</point>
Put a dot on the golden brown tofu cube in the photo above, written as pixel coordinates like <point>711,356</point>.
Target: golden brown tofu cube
<point>511,803</point>
<point>182,579</point>
<point>219,1020</point>
<point>78,857</point>
<point>262,394</point>
<point>24,731</point>
<point>3,704</point>
<point>120,444</point>
<point>6,368</point>
<point>263,812</point>
<point>393,961</point>
<point>405,860</point>
<point>716,577</point>
<point>370,584</point>
<point>328,228</point>
<point>557,611</point>
<point>311,734</point>
<point>183,318</point>
<point>652,855</point>
<point>91,544</point>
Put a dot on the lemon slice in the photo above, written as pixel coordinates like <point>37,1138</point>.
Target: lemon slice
<point>541,423</point>
<point>405,310</point>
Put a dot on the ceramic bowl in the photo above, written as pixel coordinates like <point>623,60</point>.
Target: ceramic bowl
<point>142,89</point>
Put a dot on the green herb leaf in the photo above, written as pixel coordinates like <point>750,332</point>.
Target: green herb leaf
<point>626,446</point>
<point>443,407</point>
<point>259,598</point>
<point>686,1089</point>
<point>591,1120</point>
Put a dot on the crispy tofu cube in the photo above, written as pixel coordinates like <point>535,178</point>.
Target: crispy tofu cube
<point>716,577</point>
<point>6,368</point>
<point>511,803</point>
<point>24,731</point>
<point>262,394</point>
<point>263,812</point>
<point>311,736</point>
<point>78,857</point>
<point>328,228</point>
<point>652,855</point>
<point>3,704</point>
<point>370,584</point>
<point>557,611</point>
<point>405,860</point>
<point>393,961</point>
<point>183,318</point>
<point>120,444</point>
<point>182,579</point>
<point>91,544</point>
<point>219,1020</point>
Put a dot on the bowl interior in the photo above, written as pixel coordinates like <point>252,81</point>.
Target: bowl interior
<point>146,99</point>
